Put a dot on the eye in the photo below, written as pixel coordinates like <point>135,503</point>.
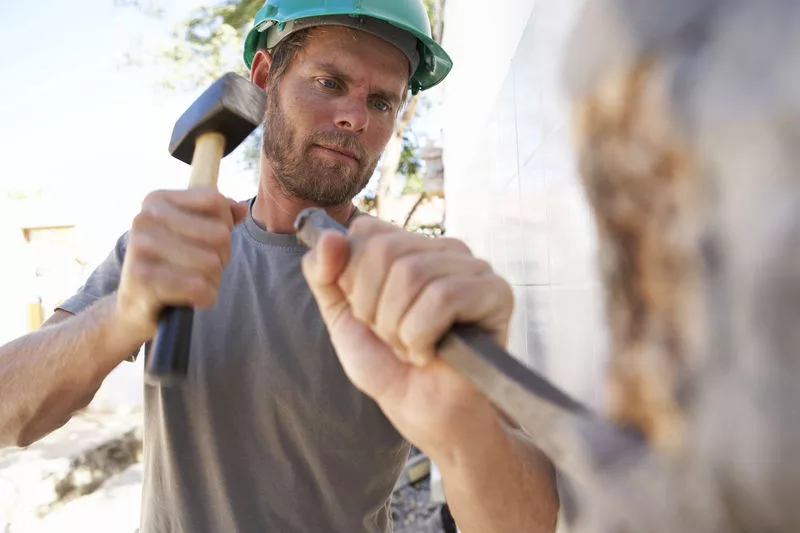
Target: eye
<point>381,106</point>
<point>328,83</point>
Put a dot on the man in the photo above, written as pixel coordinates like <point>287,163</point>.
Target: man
<point>268,433</point>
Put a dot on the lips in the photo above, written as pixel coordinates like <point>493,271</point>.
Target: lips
<point>340,150</point>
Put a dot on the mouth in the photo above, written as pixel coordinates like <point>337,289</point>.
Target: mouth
<point>340,151</point>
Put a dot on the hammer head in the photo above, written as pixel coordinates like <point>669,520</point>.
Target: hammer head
<point>232,106</point>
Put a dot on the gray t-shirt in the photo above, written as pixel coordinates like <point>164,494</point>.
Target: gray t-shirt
<point>267,434</point>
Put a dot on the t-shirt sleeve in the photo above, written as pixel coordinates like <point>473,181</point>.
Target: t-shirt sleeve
<point>103,281</point>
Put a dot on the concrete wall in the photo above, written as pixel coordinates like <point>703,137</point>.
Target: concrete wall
<point>511,185</point>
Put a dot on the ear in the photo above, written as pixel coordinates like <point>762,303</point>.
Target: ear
<point>259,71</point>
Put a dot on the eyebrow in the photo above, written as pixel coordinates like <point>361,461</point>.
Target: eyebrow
<point>334,71</point>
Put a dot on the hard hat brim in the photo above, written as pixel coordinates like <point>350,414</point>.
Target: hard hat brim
<point>434,65</point>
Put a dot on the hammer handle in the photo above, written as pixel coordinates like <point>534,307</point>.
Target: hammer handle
<point>168,361</point>
<point>208,151</point>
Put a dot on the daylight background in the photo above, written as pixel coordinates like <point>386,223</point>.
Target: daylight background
<point>85,121</point>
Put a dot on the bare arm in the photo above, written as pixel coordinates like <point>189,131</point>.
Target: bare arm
<point>498,481</point>
<point>177,248</point>
<point>50,373</point>
<point>387,297</point>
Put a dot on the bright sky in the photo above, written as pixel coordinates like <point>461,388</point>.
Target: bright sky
<point>79,123</point>
<point>89,131</point>
<point>76,121</point>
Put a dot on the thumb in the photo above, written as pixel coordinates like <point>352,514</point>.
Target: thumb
<point>367,361</point>
<point>239,210</point>
<point>322,267</point>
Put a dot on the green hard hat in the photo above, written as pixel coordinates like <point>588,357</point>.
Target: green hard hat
<point>403,23</point>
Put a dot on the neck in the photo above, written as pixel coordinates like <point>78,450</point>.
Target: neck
<point>276,211</point>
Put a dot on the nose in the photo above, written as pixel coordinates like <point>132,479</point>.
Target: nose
<point>352,114</point>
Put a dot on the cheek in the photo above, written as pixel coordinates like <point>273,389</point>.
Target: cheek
<point>380,135</point>
<point>305,112</point>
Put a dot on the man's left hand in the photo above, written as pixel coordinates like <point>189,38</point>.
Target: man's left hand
<point>387,296</point>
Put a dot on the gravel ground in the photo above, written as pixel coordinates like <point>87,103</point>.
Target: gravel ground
<point>412,511</point>
<point>114,506</point>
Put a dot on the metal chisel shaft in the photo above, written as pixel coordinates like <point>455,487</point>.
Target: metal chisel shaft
<point>565,430</point>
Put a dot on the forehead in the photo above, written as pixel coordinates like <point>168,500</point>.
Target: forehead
<point>355,50</point>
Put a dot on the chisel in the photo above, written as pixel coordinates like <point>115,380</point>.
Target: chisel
<point>574,438</point>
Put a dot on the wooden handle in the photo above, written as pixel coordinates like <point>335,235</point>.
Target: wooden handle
<point>208,151</point>
<point>168,362</point>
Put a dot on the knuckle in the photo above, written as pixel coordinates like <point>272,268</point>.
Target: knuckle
<point>220,237</point>
<point>225,257</point>
<point>442,293</point>
<point>505,291</point>
<point>410,337</point>
<point>153,197</point>
<point>483,266</point>
<point>152,214</point>
<point>221,201</point>
<point>223,216</point>
<point>143,274</point>
<point>141,220</point>
<point>360,225</point>
<point>194,288</point>
<point>211,263</point>
<point>204,294</point>
<point>368,225</point>
<point>223,252</point>
<point>502,295</point>
<point>381,247</point>
<point>410,268</point>
<point>141,244</point>
<point>212,198</point>
<point>361,314</point>
<point>455,245</point>
<point>215,196</point>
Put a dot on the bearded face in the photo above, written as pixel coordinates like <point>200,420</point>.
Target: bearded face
<point>302,165</point>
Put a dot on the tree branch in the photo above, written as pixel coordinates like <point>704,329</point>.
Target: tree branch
<point>391,156</point>
<point>414,208</point>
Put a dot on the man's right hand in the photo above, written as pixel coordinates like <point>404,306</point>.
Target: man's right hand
<point>178,246</point>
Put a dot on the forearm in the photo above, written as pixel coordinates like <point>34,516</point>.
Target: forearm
<point>497,481</point>
<point>50,373</point>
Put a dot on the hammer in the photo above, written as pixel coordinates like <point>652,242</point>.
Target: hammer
<point>213,126</point>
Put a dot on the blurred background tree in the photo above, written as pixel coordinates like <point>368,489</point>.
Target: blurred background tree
<point>208,43</point>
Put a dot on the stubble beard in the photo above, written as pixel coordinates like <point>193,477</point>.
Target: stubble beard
<point>304,175</point>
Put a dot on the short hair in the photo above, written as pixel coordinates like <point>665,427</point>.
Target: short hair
<point>284,53</point>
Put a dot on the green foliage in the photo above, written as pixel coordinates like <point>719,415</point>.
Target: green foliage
<point>414,184</point>
<point>409,168</point>
<point>409,162</point>
<point>367,203</point>
<point>431,230</point>
<point>208,43</point>
<point>210,25</point>
<point>203,46</point>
